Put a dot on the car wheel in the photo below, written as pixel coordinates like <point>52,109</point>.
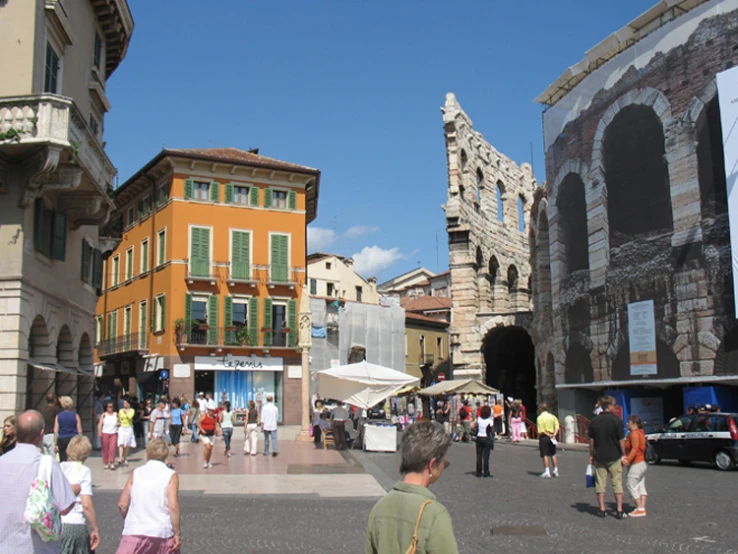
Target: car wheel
<point>685,462</point>
<point>724,461</point>
<point>651,456</point>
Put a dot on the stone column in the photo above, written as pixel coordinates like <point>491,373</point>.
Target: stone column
<point>306,324</point>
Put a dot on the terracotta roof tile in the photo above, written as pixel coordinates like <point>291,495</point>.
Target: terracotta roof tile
<point>425,318</point>
<point>236,155</point>
<point>426,303</point>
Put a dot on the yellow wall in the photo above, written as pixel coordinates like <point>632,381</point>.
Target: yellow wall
<point>413,331</point>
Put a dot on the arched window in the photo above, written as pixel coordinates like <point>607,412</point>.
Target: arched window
<point>711,162</point>
<point>573,210</point>
<point>480,178</point>
<point>636,173</point>
<point>512,278</point>
<point>479,259</point>
<point>500,202</point>
<point>464,159</point>
<point>521,214</point>
<point>494,268</point>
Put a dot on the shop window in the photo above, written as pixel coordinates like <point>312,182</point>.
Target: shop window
<point>572,208</point>
<point>636,174</point>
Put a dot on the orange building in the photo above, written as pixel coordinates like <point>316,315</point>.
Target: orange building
<point>202,287</point>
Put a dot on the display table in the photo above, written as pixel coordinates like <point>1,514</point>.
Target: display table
<point>380,437</point>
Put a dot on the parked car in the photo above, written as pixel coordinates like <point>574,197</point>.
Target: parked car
<point>702,437</point>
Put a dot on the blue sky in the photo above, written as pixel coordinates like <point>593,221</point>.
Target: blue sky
<point>354,88</point>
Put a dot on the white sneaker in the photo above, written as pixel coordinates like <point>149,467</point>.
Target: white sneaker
<point>556,474</point>
<point>205,465</point>
<point>210,465</point>
<point>545,475</point>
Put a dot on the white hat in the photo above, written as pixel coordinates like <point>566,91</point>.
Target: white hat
<point>200,394</point>
<point>211,405</point>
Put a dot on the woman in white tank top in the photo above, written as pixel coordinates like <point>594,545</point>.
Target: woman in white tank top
<point>150,505</point>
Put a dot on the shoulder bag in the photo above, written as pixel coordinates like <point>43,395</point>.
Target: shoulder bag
<point>40,512</point>
<point>413,549</point>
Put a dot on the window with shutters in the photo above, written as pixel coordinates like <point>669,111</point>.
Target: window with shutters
<point>200,251</point>
<point>115,272</point>
<point>142,322</point>
<point>240,255</point>
<point>144,206</point>
<point>313,286</point>
<point>127,322</point>
<point>212,319</point>
<point>129,263</point>
<point>162,195</point>
<point>98,329</point>
<point>161,246</point>
<point>241,195</point>
<point>159,313</point>
<point>279,199</point>
<point>87,262</point>
<point>201,190</point>
<point>279,257</point>
<point>131,215</point>
<point>52,70</point>
<point>112,324</point>
<point>144,255</point>
<point>50,232</point>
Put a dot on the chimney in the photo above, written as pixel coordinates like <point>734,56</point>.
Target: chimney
<point>349,262</point>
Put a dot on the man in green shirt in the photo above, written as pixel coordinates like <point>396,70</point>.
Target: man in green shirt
<point>394,519</point>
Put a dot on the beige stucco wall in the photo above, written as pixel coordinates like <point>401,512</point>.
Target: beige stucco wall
<point>413,349</point>
<point>344,279</point>
<point>17,35</point>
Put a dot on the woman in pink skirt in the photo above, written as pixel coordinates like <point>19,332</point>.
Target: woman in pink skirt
<point>150,505</point>
<point>107,430</point>
<point>515,421</point>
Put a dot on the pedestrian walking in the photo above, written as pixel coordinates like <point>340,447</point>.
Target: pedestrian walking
<point>635,460</point>
<point>226,426</point>
<point>9,436</point>
<point>185,414</point>
<point>49,411</point>
<point>606,452</point>
<point>465,418</point>
<point>338,423</point>
<point>67,424</point>
<point>316,422</point>
<point>80,534</point>
<point>194,418</point>
<point>19,470</point>
<point>251,430</point>
<point>158,421</point>
<point>107,430</point>
<point>515,421</point>
<point>126,436</point>
<point>176,424</point>
<point>206,427</point>
<point>523,417</point>
<point>548,425</point>
<point>498,412</point>
<point>484,426</point>
<point>409,516</point>
<point>269,419</point>
<point>149,504</point>
<point>146,420</point>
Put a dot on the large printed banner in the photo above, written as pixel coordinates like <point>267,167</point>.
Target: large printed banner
<point>642,337</point>
<point>727,84</point>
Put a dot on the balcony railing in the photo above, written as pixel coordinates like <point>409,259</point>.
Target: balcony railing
<point>235,337</point>
<point>280,273</point>
<point>200,270</point>
<point>240,271</point>
<point>133,342</point>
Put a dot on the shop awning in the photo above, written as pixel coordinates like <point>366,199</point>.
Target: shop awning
<point>691,380</point>
<point>152,363</point>
<point>462,386</point>
<point>57,368</point>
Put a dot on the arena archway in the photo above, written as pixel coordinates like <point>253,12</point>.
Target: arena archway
<point>666,360</point>
<point>509,360</point>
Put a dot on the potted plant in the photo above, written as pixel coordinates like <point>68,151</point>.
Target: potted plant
<point>179,329</point>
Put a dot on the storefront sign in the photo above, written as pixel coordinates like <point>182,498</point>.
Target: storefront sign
<point>237,363</point>
<point>642,337</point>
<point>727,85</point>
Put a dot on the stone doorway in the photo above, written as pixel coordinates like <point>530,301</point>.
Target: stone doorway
<point>509,360</point>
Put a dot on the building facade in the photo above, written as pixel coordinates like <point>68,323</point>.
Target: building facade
<point>54,176</point>
<point>489,200</point>
<point>631,236</point>
<point>202,292</point>
<point>418,282</point>
<point>334,276</point>
<point>427,320</point>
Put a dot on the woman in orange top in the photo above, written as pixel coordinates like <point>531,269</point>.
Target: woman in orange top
<point>635,458</point>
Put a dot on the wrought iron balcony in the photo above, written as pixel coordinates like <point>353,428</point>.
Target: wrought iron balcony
<point>133,342</point>
<point>240,272</point>
<point>200,270</point>
<point>284,338</point>
<point>279,275</point>
<point>236,337</point>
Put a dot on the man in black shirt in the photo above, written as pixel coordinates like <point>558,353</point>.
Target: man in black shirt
<point>606,452</point>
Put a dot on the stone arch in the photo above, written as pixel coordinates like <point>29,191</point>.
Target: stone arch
<point>667,362</point>
<point>493,269</point>
<point>464,159</point>
<point>509,359</point>
<point>572,209</point>
<point>578,365</point>
<point>39,382</point>
<point>569,166</point>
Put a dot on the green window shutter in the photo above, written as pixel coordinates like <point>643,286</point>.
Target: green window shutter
<point>189,185</point>
<point>268,335</point>
<point>229,193</point>
<point>162,247</point>
<point>110,325</point>
<point>188,314</point>
<point>292,200</point>
<point>254,192</point>
<point>194,243</point>
<point>284,255</point>
<point>240,252</point>
<point>114,324</point>
<point>84,270</point>
<point>142,323</point>
<point>128,319</point>
<point>214,191</point>
<point>163,313</point>
<point>228,311</point>
<point>97,268</point>
<point>212,319</point>
<point>292,315</point>
<point>205,245</point>
<point>59,237</point>
<point>253,316</point>
<point>145,256</point>
<point>267,198</point>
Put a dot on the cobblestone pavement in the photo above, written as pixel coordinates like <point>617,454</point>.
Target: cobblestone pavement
<point>691,509</point>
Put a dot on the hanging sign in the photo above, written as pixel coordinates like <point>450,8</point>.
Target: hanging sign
<point>642,337</point>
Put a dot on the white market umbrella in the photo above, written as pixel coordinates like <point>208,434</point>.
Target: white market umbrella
<point>361,384</point>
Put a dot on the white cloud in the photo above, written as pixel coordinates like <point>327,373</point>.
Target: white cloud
<point>374,259</point>
<point>320,239</point>
<point>358,230</point>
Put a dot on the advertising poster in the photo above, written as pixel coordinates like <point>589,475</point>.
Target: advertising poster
<point>727,85</point>
<point>642,337</point>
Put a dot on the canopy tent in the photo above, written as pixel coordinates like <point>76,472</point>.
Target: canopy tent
<point>361,384</point>
<point>462,386</point>
<point>409,389</point>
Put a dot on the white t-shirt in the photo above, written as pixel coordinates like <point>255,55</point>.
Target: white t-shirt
<point>269,417</point>
<point>77,474</point>
<point>202,405</point>
<point>482,426</point>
